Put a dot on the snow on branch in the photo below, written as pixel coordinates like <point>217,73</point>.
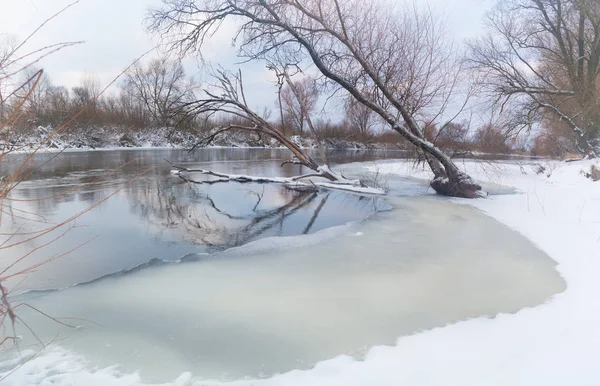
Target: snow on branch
<point>303,182</point>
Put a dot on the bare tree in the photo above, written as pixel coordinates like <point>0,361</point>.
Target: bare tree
<point>542,59</point>
<point>360,117</point>
<point>228,96</point>
<point>82,95</point>
<point>37,99</point>
<point>132,111</point>
<point>395,62</point>
<point>7,47</point>
<point>490,138</point>
<point>92,83</point>
<point>453,137</point>
<point>552,143</point>
<point>299,104</point>
<point>163,88</point>
<point>56,105</point>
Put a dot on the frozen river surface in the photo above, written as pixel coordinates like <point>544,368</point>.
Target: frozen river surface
<point>262,280</point>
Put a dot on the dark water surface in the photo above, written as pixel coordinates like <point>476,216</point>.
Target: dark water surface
<point>154,215</point>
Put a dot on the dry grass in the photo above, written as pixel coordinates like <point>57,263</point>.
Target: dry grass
<point>46,232</point>
<point>595,173</point>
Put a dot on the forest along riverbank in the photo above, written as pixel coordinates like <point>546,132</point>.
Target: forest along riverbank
<point>284,303</point>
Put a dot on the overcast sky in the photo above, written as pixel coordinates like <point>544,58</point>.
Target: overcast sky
<point>114,35</point>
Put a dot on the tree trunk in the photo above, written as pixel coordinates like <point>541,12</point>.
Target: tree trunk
<point>448,179</point>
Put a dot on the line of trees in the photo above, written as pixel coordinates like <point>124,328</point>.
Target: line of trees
<point>150,95</point>
<point>360,123</point>
<point>160,94</point>
<point>539,66</point>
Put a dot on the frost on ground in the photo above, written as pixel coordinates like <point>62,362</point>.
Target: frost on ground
<point>552,344</point>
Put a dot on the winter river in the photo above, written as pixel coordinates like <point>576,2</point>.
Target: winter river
<point>230,281</point>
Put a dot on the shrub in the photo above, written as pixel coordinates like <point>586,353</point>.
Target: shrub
<point>594,173</point>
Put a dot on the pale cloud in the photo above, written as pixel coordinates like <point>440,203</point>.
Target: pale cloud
<point>114,36</point>
<point>464,18</point>
<point>112,32</point>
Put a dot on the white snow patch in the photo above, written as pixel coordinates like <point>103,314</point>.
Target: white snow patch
<point>343,184</point>
<point>351,188</point>
<point>57,366</point>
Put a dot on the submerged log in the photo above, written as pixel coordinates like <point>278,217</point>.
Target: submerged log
<point>328,180</point>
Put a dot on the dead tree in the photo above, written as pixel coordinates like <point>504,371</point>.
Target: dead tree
<point>360,117</point>
<point>228,97</point>
<point>542,59</point>
<point>299,102</point>
<point>38,96</point>
<point>162,87</point>
<point>394,62</point>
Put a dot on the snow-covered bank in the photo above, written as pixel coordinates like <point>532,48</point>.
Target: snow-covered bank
<point>551,344</point>
<point>119,138</point>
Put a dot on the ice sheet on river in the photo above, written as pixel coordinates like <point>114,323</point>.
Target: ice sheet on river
<point>288,303</point>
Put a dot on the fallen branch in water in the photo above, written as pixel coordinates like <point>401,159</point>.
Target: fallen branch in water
<point>231,99</point>
<point>330,180</point>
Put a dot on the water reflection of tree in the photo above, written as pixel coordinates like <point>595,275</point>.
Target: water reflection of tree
<point>194,215</point>
<point>90,176</point>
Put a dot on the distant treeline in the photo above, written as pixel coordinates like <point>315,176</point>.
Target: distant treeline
<point>160,94</point>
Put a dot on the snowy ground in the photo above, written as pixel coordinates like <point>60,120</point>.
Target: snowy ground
<point>556,343</point>
<point>553,344</point>
<point>101,138</point>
